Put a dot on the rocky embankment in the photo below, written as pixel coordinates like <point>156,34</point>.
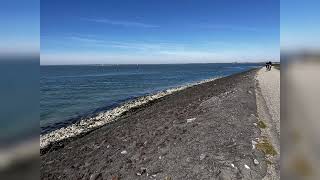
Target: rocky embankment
<point>207,131</point>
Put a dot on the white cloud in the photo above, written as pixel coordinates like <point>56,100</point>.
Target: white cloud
<point>160,57</point>
<point>141,46</point>
<point>103,51</point>
<point>229,27</point>
<point>121,23</point>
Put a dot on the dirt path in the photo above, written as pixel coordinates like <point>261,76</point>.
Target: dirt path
<point>268,107</point>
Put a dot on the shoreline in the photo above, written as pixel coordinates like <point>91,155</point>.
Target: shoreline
<point>97,120</point>
<point>103,109</point>
<point>200,132</point>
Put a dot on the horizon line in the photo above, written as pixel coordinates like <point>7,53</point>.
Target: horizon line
<point>155,63</point>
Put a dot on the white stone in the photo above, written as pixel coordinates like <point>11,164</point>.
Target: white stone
<point>190,120</point>
<point>256,162</point>
<point>246,166</point>
<point>124,152</point>
<point>202,156</point>
<point>253,144</point>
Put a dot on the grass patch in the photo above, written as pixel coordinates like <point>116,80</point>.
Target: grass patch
<point>268,162</point>
<point>266,147</point>
<point>262,125</point>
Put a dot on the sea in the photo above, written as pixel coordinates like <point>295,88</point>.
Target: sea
<point>70,92</point>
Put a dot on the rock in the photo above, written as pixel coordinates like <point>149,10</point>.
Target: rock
<point>115,178</point>
<point>50,162</point>
<point>124,152</point>
<point>246,166</point>
<point>94,176</point>
<point>253,144</point>
<point>190,120</point>
<point>256,162</point>
<point>86,164</point>
<point>142,171</point>
<point>232,165</point>
<point>202,156</point>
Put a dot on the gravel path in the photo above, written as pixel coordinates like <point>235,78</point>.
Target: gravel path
<point>268,107</point>
<point>269,82</point>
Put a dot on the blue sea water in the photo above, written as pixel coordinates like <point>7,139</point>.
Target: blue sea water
<point>69,92</point>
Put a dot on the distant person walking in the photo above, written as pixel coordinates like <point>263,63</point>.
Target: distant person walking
<point>268,66</point>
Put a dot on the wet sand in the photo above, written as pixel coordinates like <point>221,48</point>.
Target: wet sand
<point>201,132</point>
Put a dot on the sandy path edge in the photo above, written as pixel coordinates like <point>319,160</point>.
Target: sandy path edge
<point>268,109</point>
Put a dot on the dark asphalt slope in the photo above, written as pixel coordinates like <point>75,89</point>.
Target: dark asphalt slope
<point>202,132</point>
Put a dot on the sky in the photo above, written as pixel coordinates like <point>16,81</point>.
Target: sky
<point>20,27</point>
<point>157,32</point>
<point>299,30</point>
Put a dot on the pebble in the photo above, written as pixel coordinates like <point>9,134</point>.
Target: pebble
<point>232,165</point>
<point>94,176</point>
<point>190,120</point>
<point>256,162</point>
<point>115,178</point>
<point>124,152</point>
<point>202,156</point>
<point>142,171</point>
<point>246,166</point>
<point>253,144</point>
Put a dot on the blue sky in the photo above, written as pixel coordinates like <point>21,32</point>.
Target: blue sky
<point>20,28</point>
<point>299,27</point>
<point>166,31</point>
